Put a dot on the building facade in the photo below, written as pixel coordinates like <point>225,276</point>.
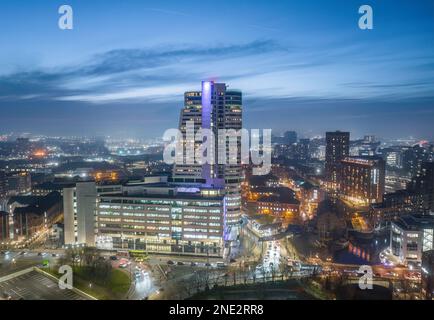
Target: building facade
<point>4,225</point>
<point>215,108</point>
<point>152,215</point>
<point>282,207</point>
<point>79,206</point>
<point>19,183</point>
<point>423,184</point>
<point>337,148</point>
<point>362,179</point>
<point>163,219</point>
<point>427,275</point>
<point>3,184</point>
<point>3,190</point>
<point>410,236</point>
<point>38,216</point>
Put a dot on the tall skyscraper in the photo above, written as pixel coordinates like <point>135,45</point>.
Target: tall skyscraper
<point>423,184</point>
<point>215,108</point>
<point>337,148</point>
<point>414,157</point>
<point>3,186</point>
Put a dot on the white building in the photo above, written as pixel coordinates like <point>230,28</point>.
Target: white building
<point>410,236</point>
<point>79,207</point>
<point>152,215</point>
<point>214,107</point>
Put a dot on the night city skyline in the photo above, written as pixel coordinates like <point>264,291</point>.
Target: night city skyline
<point>312,72</point>
<point>216,156</point>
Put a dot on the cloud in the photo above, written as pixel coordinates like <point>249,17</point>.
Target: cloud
<point>120,74</point>
<point>261,69</point>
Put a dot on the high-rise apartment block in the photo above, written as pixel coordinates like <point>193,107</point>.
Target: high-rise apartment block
<point>214,108</point>
<point>337,148</point>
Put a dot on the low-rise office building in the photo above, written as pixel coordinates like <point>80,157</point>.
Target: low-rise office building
<point>163,219</point>
<point>410,236</point>
<point>152,215</point>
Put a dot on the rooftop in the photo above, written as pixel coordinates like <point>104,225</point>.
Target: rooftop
<point>40,204</point>
<point>415,221</point>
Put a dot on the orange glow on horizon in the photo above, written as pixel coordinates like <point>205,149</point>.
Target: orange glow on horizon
<point>40,153</point>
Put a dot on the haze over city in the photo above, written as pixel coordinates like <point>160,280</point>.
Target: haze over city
<point>216,155</point>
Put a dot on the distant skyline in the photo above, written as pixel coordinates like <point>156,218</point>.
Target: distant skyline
<point>302,65</point>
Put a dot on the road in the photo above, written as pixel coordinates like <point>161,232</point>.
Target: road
<point>11,261</point>
<point>271,259</point>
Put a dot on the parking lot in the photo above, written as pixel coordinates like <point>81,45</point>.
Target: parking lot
<point>35,286</point>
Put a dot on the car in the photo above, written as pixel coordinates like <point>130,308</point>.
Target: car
<point>55,255</point>
<point>193,264</point>
<point>179,263</point>
<point>40,254</point>
<point>123,265</point>
<point>207,264</point>
<point>113,258</point>
<point>170,262</point>
<point>221,265</point>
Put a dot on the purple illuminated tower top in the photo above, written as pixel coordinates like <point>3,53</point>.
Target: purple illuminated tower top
<point>207,88</point>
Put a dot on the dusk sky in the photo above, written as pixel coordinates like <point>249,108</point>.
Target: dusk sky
<point>302,65</point>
